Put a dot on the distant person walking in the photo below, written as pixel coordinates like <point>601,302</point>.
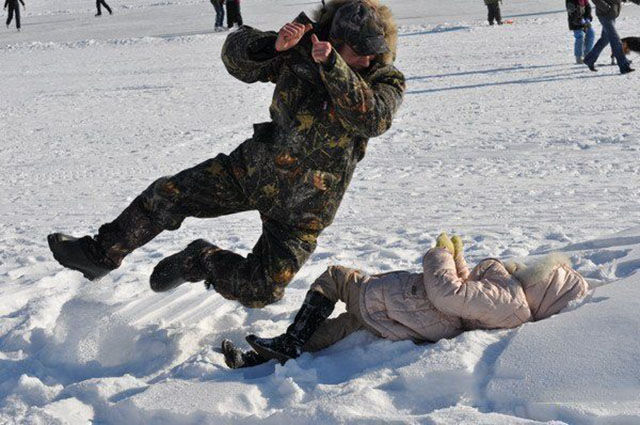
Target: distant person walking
<point>233,13</point>
<point>494,11</point>
<point>580,19</point>
<point>607,12</point>
<point>106,6</point>
<point>13,7</point>
<point>218,5</point>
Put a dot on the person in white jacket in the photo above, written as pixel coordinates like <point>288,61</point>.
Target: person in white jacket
<point>443,301</point>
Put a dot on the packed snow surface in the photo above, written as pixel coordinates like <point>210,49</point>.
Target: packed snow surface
<point>501,139</point>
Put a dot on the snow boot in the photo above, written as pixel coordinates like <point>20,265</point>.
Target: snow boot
<point>184,266</point>
<point>81,254</point>
<point>235,358</point>
<point>315,310</point>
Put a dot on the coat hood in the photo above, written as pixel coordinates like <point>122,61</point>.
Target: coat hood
<point>324,16</point>
<point>550,285</point>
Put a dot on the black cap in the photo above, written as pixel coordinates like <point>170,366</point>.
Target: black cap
<point>356,24</point>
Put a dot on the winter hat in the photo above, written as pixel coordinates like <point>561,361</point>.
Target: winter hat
<point>356,24</point>
<point>550,285</point>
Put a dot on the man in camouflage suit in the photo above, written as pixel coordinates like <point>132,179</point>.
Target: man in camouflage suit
<point>330,97</point>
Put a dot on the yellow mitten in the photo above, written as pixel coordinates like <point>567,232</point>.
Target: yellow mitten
<point>457,246</point>
<point>443,241</point>
<point>458,257</point>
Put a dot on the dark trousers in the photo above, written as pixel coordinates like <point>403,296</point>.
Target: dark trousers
<point>211,189</point>
<point>233,13</point>
<point>14,7</point>
<point>219,8</point>
<point>494,13</point>
<point>609,36</point>
<point>102,3</point>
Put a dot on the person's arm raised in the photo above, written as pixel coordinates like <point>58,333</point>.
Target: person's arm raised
<point>365,108</point>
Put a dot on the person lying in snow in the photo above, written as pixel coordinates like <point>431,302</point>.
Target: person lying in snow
<point>443,301</point>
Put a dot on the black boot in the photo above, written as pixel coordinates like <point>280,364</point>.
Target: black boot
<point>315,310</point>
<point>81,254</point>
<point>235,358</point>
<point>184,266</point>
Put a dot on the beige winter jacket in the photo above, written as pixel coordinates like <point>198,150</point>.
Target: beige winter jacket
<point>446,300</point>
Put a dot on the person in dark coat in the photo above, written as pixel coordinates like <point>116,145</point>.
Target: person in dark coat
<point>335,87</point>
<point>233,13</point>
<point>494,13</point>
<point>218,5</point>
<point>14,8</point>
<point>607,12</point>
<point>106,6</point>
<point>580,19</point>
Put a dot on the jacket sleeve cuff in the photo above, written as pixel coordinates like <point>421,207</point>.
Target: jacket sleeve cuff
<point>330,63</point>
<point>336,69</point>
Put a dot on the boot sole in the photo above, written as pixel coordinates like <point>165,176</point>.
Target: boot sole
<point>266,352</point>
<point>53,242</point>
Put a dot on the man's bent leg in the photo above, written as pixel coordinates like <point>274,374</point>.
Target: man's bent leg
<point>207,190</point>
<point>261,277</point>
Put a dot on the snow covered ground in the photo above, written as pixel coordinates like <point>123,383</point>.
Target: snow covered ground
<point>500,138</point>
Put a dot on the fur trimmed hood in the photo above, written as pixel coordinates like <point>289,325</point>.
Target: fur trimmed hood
<point>324,16</point>
<point>549,284</point>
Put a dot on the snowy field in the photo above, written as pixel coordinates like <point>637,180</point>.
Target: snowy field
<point>501,138</point>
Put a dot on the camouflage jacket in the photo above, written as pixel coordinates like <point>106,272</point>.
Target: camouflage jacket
<point>297,168</point>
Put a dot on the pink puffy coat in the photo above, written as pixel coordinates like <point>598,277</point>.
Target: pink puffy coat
<point>446,300</point>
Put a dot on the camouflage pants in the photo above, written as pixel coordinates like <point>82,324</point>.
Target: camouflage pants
<point>211,190</point>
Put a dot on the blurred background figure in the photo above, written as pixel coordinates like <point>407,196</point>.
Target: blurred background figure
<point>106,6</point>
<point>493,7</point>
<point>233,13</point>
<point>13,7</point>
<point>218,5</point>
<point>580,18</point>
<point>607,12</point>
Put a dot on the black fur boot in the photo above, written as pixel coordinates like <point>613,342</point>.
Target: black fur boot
<point>82,254</point>
<point>315,310</point>
<point>184,266</point>
<point>235,358</point>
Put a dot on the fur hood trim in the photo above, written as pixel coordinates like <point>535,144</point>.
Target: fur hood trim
<point>549,284</point>
<point>324,16</point>
<point>539,269</point>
